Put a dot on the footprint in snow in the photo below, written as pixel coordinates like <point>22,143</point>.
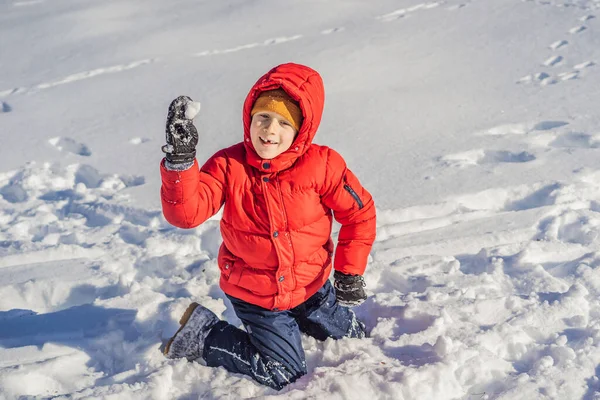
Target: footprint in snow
<point>547,133</point>
<point>587,18</point>
<point>538,197</point>
<point>14,193</point>
<point>5,107</point>
<point>503,156</point>
<point>70,145</point>
<point>577,29</point>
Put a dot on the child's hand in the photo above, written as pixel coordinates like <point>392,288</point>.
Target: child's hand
<point>181,134</point>
<point>349,289</point>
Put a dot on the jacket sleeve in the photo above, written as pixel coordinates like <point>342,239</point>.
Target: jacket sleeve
<point>354,209</point>
<point>192,196</point>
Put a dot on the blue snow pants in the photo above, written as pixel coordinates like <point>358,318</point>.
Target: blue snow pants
<point>270,350</point>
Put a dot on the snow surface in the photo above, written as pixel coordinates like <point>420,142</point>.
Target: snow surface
<point>473,123</point>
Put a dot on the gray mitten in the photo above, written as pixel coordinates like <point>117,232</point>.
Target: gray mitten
<point>349,289</point>
<point>181,134</point>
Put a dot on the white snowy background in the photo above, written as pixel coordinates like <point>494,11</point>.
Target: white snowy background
<point>474,123</point>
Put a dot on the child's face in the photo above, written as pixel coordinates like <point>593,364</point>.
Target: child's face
<point>271,134</point>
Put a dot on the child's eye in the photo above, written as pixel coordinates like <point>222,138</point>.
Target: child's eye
<point>284,123</point>
<point>264,116</point>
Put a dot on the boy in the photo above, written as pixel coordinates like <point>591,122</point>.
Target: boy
<point>280,193</point>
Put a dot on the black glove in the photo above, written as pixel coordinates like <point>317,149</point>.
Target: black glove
<point>349,289</point>
<point>181,134</point>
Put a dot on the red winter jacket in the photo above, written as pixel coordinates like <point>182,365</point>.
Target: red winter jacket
<point>276,224</point>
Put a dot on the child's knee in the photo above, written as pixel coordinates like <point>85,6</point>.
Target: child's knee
<point>357,329</point>
<point>281,375</point>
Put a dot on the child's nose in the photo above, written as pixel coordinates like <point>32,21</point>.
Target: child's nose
<point>271,126</point>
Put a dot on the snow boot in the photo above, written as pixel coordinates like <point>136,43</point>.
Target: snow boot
<point>188,341</point>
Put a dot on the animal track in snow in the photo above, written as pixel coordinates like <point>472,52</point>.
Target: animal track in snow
<point>577,29</point>
<point>508,129</point>
<point>504,156</point>
<point>70,145</point>
<point>78,77</point>
<point>95,72</point>
<point>28,3</point>
<point>4,93</point>
<point>268,42</point>
<point>475,157</point>
<point>552,61</point>
<point>400,13</point>
<point>544,78</point>
<point>567,76</point>
<point>333,30</point>
<point>558,44</point>
<point>456,7</point>
<point>138,140</point>
<point>576,140</point>
<point>529,130</point>
<point>585,64</point>
<point>549,125</point>
<point>541,78</point>
<point>523,128</point>
<point>124,67</point>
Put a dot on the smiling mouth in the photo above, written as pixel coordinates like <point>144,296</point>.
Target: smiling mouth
<point>265,141</point>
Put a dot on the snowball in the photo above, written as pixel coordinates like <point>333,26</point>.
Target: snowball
<point>192,109</point>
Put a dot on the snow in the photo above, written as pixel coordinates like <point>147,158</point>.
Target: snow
<point>473,123</point>
<point>192,109</point>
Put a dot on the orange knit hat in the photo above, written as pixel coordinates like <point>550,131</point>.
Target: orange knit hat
<point>280,102</point>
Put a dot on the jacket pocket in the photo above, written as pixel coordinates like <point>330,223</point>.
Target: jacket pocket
<point>235,274</point>
<point>354,195</point>
<point>257,281</point>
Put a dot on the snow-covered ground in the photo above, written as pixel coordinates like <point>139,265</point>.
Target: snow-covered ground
<point>474,123</point>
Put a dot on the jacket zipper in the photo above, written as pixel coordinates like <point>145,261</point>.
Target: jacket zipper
<point>287,228</point>
<point>354,195</point>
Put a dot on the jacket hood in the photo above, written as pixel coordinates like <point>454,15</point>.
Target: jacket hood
<point>302,84</point>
